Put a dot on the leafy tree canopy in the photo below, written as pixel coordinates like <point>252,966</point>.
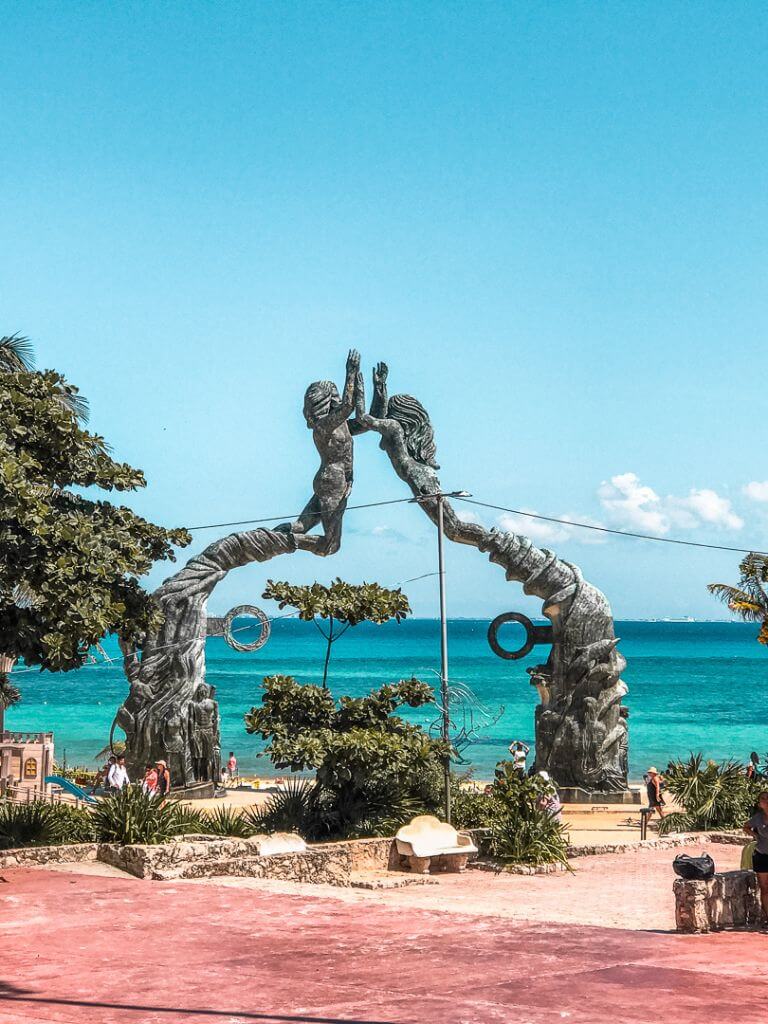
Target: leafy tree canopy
<point>749,599</point>
<point>69,565</point>
<point>373,769</point>
<point>344,602</point>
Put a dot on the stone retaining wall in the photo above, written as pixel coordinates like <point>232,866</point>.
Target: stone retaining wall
<point>75,853</point>
<point>282,856</point>
<point>730,899</point>
<point>662,843</point>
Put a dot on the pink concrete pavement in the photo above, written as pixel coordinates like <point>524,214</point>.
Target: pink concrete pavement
<point>104,950</point>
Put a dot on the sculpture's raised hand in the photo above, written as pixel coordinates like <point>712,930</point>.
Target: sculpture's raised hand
<point>353,361</point>
<point>380,372</point>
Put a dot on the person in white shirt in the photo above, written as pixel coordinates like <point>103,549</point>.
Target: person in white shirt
<point>519,752</point>
<point>117,776</point>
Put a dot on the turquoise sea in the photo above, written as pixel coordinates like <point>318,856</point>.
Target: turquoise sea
<point>692,686</point>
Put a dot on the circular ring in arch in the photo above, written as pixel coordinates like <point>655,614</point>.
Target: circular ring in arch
<point>525,622</point>
<point>257,613</point>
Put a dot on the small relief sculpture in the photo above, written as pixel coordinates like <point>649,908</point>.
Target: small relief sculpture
<point>176,748</point>
<point>203,730</point>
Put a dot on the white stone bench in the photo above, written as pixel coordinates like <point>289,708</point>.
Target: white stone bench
<point>427,839</point>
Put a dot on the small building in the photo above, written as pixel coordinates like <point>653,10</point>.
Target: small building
<point>25,760</point>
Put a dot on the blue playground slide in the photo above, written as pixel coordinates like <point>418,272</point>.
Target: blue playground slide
<point>58,780</point>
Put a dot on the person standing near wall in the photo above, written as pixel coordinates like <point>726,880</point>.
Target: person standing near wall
<point>757,827</point>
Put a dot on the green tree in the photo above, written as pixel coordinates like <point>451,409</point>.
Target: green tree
<point>373,769</point>
<point>69,564</point>
<point>9,695</point>
<point>342,604</point>
<point>749,599</point>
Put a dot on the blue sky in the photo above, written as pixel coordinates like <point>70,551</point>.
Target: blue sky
<point>549,219</point>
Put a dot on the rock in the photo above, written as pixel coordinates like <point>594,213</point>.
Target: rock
<point>730,899</point>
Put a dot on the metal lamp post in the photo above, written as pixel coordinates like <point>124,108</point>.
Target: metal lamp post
<point>444,693</point>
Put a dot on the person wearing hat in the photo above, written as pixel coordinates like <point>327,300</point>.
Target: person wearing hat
<point>163,779</point>
<point>653,786</point>
<point>549,801</point>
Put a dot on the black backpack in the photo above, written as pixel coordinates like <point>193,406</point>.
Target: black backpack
<point>693,869</point>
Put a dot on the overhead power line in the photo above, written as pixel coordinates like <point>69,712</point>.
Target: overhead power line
<point>292,515</point>
<point>618,533</point>
<point>513,511</point>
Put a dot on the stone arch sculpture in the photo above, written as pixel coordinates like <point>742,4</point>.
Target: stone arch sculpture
<point>581,727</point>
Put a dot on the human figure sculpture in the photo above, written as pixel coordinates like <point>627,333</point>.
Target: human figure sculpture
<point>581,725</point>
<point>579,743</point>
<point>326,414</point>
<point>409,440</point>
<point>203,728</point>
<point>176,742</point>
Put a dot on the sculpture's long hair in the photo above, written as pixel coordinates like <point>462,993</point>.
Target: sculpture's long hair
<point>319,399</point>
<point>417,430</point>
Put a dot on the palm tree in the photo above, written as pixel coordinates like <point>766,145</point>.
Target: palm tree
<point>9,695</point>
<point>748,600</point>
<point>16,356</point>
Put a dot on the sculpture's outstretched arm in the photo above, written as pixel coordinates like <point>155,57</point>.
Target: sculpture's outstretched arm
<point>376,418</point>
<point>380,399</point>
<point>344,411</point>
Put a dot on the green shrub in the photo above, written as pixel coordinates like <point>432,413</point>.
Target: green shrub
<point>42,824</point>
<point>530,837</point>
<point>291,809</point>
<point>132,816</point>
<point>522,832</point>
<point>470,809</point>
<point>374,770</point>
<point>226,821</point>
<point>713,796</point>
<point>30,824</point>
<point>73,824</point>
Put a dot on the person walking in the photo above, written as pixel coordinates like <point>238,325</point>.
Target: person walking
<point>653,783</point>
<point>757,827</point>
<point>117,777</point>
<point>149,784</point>
<point>232,766</point>
<point>163,787</point>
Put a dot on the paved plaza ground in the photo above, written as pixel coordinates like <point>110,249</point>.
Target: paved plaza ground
<point>90,945</point>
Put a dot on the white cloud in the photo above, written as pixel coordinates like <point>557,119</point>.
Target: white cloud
<point>757,490</point>
<point>587,536</point>
<point>536,529</point>
<point>388,533</point>
<point>464,515</point>
<point>544,532</point>
<point>632,505</point>
<point>703,506</point>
